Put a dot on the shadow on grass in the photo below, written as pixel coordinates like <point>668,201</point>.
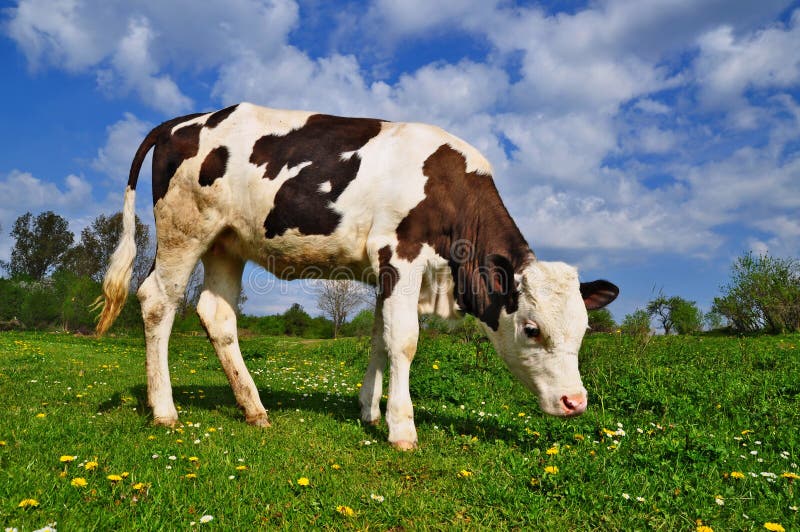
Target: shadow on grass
<point>340,408</point>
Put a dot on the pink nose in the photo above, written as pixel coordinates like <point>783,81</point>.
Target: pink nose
<point>573,405</point>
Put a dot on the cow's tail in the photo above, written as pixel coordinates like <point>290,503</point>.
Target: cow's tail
<point>117,280</point>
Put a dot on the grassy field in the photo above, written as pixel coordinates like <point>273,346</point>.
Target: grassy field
<point>680,432</point>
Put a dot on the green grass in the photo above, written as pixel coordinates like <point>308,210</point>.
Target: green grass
<point>693,410</point>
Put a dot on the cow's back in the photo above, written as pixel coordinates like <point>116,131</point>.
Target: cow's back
<point>293,190</point>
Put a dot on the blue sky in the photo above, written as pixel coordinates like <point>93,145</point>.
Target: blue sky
<point>647,142</point>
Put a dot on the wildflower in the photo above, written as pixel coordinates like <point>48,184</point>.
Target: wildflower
<point>626,496</point>
<point>345,511</point>
<point>125,474</point>
<point>745,432</point>
<point>793,508</point>
<point>139,486</point>
<point>241,468</point>
<point>303,481</point>
<point>78,482</point>
<point>719,500</point>
<point>435,366</point>
<point>464,473</point>
<point>151,437</point>
<point>608,432</point>
<point>579,437</point>
<point>377,498</point>
<point>28,503</point>
<point>775,527</point>
<point>521,414</point>
<point>552,450</point>
<point>90,466</point>
<point>737,474</point>
<point>336,466</point>
<point>790,475</point>
<point>67,458</point>
<point>114,478</point>
<point>206,518</point>
<point>40,415</point>
<point>2,443</point>
<point>194,459</point>
<point>639,499</point>
<point>190,476</point>
<point>50,527</point>
<point>551,469</point>
<point>704,528</point>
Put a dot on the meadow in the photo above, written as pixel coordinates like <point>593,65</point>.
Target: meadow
<point>681,433</point>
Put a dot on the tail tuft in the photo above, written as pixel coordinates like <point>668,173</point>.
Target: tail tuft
<point>118,276</point>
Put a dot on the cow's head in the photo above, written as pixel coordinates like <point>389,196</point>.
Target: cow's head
<point>539,341</point>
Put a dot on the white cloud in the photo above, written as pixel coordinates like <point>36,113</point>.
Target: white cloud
<point>729,64</point>
<point>130,46</point>
<point>22,192</point>
<point>114,158</point>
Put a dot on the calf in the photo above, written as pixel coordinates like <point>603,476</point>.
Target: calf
<point>408,207</point>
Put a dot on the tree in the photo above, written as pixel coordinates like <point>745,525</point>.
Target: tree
<point>99,239</point>
<point>40,245</point>
<point>763,294</point>
<point>295,320</point>
<point>661,309</point>
<point>687,318</point>
<point>338,298</point>
<point>637,323</point>
<point>601,321</point>
<point>676,313</point>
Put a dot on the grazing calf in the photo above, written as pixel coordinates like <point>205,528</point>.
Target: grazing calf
<point>409,207</point>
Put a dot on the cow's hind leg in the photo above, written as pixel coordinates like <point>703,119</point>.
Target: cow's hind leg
<point>217,311</point>
<point>159,295</point>
<point>372,386</point>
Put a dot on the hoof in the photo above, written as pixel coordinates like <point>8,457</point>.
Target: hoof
<point>260,420</point>
<point>165,422</point>
<point>404,445</point>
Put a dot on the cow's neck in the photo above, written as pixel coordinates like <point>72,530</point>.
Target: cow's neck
<point>463,218</point>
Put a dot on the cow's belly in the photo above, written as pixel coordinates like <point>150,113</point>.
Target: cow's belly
<point>296,256</point>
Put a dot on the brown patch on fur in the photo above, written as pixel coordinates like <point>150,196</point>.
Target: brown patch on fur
<point>463,218</point>
<point>215,119</point>
<point>387,273</point>
<point>169,154</point>
<point>299,204</point>
<point>154,315</point>
<point>214,166</point>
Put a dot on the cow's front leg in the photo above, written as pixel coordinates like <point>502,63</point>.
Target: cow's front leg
<point>400,335</point>
<point>372,386</point>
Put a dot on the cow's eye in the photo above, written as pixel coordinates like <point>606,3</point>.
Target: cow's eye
<point>532,330</point>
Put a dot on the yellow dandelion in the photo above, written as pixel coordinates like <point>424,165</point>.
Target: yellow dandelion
<point>90,466</point>
<point>704,528</point>
<point>194,459</point>
<point>114,478</point>
<point>40,415</point>
<point>746,432</point>
<point>139,486</point>
<point>552,450</point>
<point>151,437</point>
<point>345,511</point>
<point>552,470</point>
<point>579,437</point>
<point>435,366</point>
<point>78,482</point>
<point>190,475</point>
<point>28,503</point>
<point>303,481</point>
<point>793,476</point>
<point>336,466</point>
<point>737,474</point>
<point>607,432</point>
<point>464,473</point>
<point>67,458</point>
<point>2,443</point>
<point>775,527</point>
<point>241,467</point>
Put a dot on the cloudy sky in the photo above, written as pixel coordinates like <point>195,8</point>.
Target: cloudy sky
<point>649,142</point>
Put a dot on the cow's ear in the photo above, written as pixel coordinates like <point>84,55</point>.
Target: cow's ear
<point>500,274</point>
<point>598,294</point>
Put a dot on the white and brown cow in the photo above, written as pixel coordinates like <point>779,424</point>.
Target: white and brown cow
<point>409,206</point>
